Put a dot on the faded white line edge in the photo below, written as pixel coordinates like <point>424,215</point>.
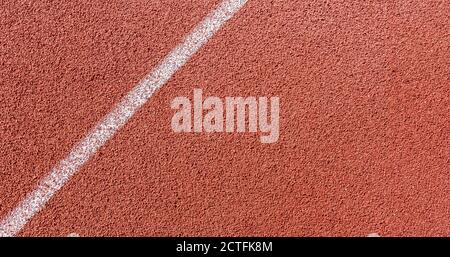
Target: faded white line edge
<point>103,131</point>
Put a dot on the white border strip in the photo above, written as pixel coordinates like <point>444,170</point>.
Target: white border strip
<point>118,117</point>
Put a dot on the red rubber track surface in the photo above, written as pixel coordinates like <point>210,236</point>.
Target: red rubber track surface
<point>364,121</point>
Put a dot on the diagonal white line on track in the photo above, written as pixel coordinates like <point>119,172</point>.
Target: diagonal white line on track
<point>118,117</point>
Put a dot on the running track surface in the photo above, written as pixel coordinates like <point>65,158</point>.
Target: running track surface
<point>364,121</point>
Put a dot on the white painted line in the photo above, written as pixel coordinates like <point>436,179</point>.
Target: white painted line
<point>73,235</point>
<point>104,130</point>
